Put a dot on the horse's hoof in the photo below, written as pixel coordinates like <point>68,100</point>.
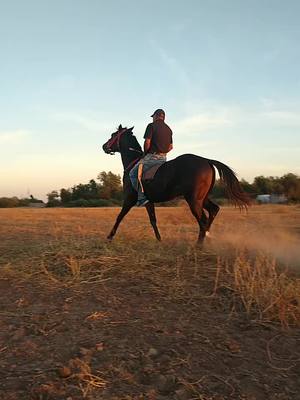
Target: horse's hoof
<point>110,238</point>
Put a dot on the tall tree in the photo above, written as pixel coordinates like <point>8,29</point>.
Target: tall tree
<point>291,185</point>
<point>65,195</point>
<point>110,185</point>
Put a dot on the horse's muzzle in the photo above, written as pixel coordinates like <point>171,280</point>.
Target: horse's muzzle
<point>106,149</point>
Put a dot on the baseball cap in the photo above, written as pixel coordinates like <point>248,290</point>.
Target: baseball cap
<point>159,111</point>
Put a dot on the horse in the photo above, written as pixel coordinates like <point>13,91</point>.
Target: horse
<point>187,175</point>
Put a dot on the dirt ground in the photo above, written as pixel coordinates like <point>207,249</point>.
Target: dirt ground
<point>81,318</point>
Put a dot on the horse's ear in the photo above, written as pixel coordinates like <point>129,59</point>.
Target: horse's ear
<point>120,127</point>
<point>130,129</point>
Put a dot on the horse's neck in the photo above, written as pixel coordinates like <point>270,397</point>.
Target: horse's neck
<point>128,157</point>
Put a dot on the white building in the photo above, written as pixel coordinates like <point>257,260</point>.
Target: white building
<point>271,199</point>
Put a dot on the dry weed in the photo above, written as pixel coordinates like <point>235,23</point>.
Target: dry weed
<point>265,290</point>
<point>87,382</point>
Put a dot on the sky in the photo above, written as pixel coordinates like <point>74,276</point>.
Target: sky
<point>226,72</point>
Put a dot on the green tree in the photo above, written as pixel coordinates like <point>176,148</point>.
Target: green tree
<point>93,189</point>
<point>247,187</point>
<point>262,185</point>
<point>65,195</point>
<point>291,185</point>
<point>80,191</point>
<point>110,185</point>
<point>53,199</point>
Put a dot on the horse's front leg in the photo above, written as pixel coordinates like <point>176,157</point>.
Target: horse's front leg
<point>128,203</point>
<point>151,212</point>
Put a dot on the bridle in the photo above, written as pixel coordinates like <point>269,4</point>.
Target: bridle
<point>116,139</point>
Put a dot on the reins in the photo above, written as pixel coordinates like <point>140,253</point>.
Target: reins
<point>131,164</point>
<point>116,140</point>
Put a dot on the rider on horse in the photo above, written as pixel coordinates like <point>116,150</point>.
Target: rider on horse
<point>158,142</point>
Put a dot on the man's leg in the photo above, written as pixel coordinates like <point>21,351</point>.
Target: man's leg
<point>148,162</point>
<point>133,174</point>
<point>142,199</point>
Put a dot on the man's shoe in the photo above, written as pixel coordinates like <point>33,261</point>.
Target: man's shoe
<point>142,203</point>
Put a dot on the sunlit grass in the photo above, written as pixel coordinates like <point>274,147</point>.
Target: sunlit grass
<point>255,255</point>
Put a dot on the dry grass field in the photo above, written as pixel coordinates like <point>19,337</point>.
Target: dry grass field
<point>83,318</point>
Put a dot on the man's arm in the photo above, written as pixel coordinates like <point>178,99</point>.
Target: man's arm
<point>147,144</point>
<point>148,137</point>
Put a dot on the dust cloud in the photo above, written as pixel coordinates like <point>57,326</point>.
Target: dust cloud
<point>271,230</point>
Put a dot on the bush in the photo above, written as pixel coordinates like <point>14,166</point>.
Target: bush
<point>7,202</point>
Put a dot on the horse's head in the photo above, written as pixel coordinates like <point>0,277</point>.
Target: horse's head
<point>122,139</point>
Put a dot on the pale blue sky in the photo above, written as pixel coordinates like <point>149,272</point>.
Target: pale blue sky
<point>226,72</point>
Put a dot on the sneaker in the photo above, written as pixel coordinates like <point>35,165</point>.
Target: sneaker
<point>142,203</point>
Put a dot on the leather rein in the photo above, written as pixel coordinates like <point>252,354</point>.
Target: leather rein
<point>116,139</point>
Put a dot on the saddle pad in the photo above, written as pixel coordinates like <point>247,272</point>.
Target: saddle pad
<point>149,174</point>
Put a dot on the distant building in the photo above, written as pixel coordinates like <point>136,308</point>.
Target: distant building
<point>271,199</point>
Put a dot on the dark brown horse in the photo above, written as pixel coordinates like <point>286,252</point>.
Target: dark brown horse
<point>188,175</point>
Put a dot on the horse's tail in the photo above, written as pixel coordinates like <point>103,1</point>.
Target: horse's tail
<point>232,185</point>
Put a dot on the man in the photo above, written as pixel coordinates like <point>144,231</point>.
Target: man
<point>158,142</point>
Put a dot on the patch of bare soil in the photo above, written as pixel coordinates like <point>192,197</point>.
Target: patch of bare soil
<point>123,339</point>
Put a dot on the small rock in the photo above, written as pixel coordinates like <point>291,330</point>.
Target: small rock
<point>64,372</point>
<point>233,346</point>
<point>152,352</point>
<point>99,346</point>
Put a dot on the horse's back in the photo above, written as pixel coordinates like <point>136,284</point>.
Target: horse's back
<point>178,176</point>
<point>191,159</point>
<point>183,166</point>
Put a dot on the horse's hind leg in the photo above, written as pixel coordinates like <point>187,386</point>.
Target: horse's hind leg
<point>196,207</point>
<point>129,202</point>
<point>212,209</point>
<point>151,212</point>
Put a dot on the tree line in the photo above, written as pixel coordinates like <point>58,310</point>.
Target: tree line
<point>106,190</point>
<point>287,185</point>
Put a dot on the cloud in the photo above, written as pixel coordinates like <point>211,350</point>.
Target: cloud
<point>13,137</point>
<point>264,116</point>
<point>267,102</point>
<point>203,122</point>
<point>287,118</point>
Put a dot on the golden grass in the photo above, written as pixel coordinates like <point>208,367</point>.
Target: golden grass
<point>255,255</point>
<point>266,291</point>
